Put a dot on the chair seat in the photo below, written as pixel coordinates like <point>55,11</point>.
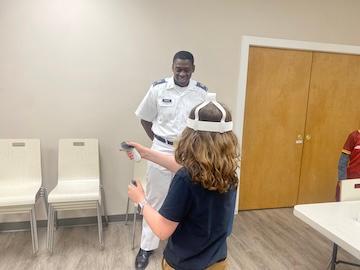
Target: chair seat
<point>75,190</point>
<point>19,194</point>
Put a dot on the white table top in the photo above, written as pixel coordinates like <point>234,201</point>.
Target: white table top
<point>338,221</point>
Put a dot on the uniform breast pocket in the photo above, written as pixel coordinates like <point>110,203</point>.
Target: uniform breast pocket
<point>166,107</point>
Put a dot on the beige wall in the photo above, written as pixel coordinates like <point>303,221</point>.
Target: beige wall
<point>79,68</point>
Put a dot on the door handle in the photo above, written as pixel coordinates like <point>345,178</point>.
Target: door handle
<point>299,139</point>
<point>308,137</point>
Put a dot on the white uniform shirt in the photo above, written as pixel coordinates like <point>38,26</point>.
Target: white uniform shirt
<point>168,106</point>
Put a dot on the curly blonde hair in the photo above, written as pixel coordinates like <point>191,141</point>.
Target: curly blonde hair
<point>211,158</point>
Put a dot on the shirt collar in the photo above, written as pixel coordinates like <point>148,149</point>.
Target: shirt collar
<point>171,84</point>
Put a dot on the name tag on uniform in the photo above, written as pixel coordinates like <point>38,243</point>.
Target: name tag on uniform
<point>167,100</point>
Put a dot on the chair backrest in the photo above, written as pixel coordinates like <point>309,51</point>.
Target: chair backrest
<point>350,190</point>
<point>20,161</point>
<point>78,159</point>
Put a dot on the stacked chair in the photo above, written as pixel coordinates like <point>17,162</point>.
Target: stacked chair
<point>20,179</point>
<point>78,186</point>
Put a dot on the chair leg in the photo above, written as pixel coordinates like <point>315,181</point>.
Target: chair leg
<point>50,230</point>
<point>52,235</point>
<point>43,193</point>
<point>127,211</point>
<point>32,231</point>
<point>55,220</point>
<point>103,205</point>
<point>100,229</point>
<point>34,236</point>
<point>35,231</point>
<point>134,227</point>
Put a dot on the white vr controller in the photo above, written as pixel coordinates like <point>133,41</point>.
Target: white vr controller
<point>129,148</point>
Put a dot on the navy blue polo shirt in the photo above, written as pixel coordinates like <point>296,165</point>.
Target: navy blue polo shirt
<point>205,220</point>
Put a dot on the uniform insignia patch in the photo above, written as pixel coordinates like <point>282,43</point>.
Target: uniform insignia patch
<point>159,82</point>
<point>202,86</point>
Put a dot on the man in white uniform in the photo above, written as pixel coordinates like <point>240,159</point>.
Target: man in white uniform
<point>163,113</point>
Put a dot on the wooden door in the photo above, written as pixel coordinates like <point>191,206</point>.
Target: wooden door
<point>333,112</point>
<point>275,110</point>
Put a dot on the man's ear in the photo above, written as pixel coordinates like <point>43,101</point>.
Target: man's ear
<point>193,68</point>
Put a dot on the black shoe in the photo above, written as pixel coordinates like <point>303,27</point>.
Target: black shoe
<point>142,259</point>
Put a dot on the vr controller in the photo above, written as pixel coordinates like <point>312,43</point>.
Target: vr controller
<point>129,148</point>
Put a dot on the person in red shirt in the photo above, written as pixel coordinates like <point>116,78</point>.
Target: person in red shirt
<point>349,161</point>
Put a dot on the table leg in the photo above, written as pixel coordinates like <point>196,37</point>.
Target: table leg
<point>333,258</point>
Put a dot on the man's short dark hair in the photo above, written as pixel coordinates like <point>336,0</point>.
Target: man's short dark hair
<point>184,55</point>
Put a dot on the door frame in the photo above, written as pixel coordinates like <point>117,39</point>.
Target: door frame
<point>248,41</point>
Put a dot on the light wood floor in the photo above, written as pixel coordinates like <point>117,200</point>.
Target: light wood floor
<point>262,239</point>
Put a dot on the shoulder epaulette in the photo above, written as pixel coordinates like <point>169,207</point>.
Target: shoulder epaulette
<point>202,86</point>
<point>159,82</point>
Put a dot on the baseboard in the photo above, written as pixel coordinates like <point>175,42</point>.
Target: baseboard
<point>65,222</point>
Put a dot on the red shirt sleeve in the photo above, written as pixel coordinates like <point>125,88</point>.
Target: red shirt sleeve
<point>349,144</point>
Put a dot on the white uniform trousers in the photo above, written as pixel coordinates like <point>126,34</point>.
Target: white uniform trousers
<point>157,186</point>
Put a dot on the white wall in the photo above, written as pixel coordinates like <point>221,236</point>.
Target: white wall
<point>79,68</point>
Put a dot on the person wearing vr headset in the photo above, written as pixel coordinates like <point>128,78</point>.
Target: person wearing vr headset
<point>163,113</point>
<point>197,214</point>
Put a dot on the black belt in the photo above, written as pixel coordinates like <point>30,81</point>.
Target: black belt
<point>161,139</point>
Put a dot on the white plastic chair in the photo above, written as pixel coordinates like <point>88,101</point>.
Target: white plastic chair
<point>140,174</point>
<point>78,185</point>
<point>350,189</point>
<point>20,179</point>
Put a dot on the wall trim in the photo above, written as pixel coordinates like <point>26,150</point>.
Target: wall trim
<point>248,41</point>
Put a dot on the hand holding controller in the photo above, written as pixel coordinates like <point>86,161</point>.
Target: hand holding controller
<point>129,148</point>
